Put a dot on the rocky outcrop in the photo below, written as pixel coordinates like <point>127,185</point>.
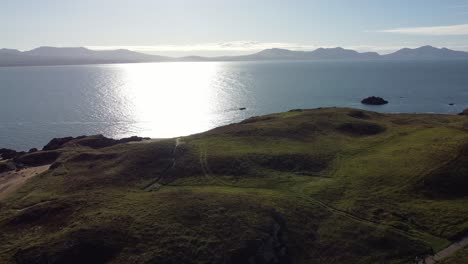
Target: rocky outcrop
<point>131,139</point>
<point>100,141</point>
<point>49,153</point>
<point>373,100</point>
<point>465,112</point>
<point>9,153</point>
<point>57,143</point>
<point>95,142</point>
<point>37,158</point>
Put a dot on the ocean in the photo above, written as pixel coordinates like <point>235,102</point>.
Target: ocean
<point>172,99</point>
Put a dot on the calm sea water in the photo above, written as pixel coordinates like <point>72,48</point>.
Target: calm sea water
<point>174,99</point>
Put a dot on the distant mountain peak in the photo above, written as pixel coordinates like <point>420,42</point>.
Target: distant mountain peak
<point>428,47</point>
<point>276,50</point>
<point>427,52</point>
<point>46,51</point>
<point>59,48</point>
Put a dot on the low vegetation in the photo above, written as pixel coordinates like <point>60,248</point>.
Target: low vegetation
<point>327,185</point>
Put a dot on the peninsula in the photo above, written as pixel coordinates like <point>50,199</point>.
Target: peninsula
<point>335,185</point>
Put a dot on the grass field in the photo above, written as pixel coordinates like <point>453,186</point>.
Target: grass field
<point>328,185</point>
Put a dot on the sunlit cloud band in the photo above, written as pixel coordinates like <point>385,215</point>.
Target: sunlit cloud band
<point>247,47</point>
<point>453,30</point>
<point>220,46</point>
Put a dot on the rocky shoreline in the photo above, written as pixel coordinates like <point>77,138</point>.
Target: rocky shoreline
<point>14,160</point>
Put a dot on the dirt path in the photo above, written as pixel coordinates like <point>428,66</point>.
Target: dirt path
<point>155,183</point>
<point>206,169</point>
<point>447,252</point>
<point>12,180</point>
<point>34,205</point>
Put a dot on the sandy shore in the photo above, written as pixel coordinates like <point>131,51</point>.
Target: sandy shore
<point>12,180</point>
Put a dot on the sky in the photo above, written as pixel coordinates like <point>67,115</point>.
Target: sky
<point>233,27</point>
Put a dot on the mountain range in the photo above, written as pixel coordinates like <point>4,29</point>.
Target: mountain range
<point>80,55</point>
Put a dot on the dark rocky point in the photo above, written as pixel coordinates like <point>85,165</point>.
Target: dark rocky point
<point>9,154</point>
<point>96,142</point>
<point>465,112</point>
<point>38,158</point>
<point>6,153</point>
<point>373,100</point>
<point>57,143</point>
<point>33,150</point>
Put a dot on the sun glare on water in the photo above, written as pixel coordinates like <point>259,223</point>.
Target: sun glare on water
<point>167,99</point>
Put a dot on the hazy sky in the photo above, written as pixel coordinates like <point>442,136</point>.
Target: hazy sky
<point>214,27</point>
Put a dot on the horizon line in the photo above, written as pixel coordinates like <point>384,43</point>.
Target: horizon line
<point>248,52</point>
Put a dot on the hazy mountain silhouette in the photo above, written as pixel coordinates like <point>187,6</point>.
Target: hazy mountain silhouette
<point>427,53</point>
<point>284,54</point>
<point>83,53</point>
<point>10,51</point>
<point>340,53</point>
<point>65,56</point>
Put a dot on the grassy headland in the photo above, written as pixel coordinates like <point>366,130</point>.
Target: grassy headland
<point>328,185</point>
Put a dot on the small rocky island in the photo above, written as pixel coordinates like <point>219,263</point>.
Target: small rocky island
<point>373,100</point>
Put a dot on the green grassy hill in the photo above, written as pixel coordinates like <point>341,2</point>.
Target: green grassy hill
<point>307,186</point>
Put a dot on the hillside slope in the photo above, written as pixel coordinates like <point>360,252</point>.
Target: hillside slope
<point>326,185</point>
